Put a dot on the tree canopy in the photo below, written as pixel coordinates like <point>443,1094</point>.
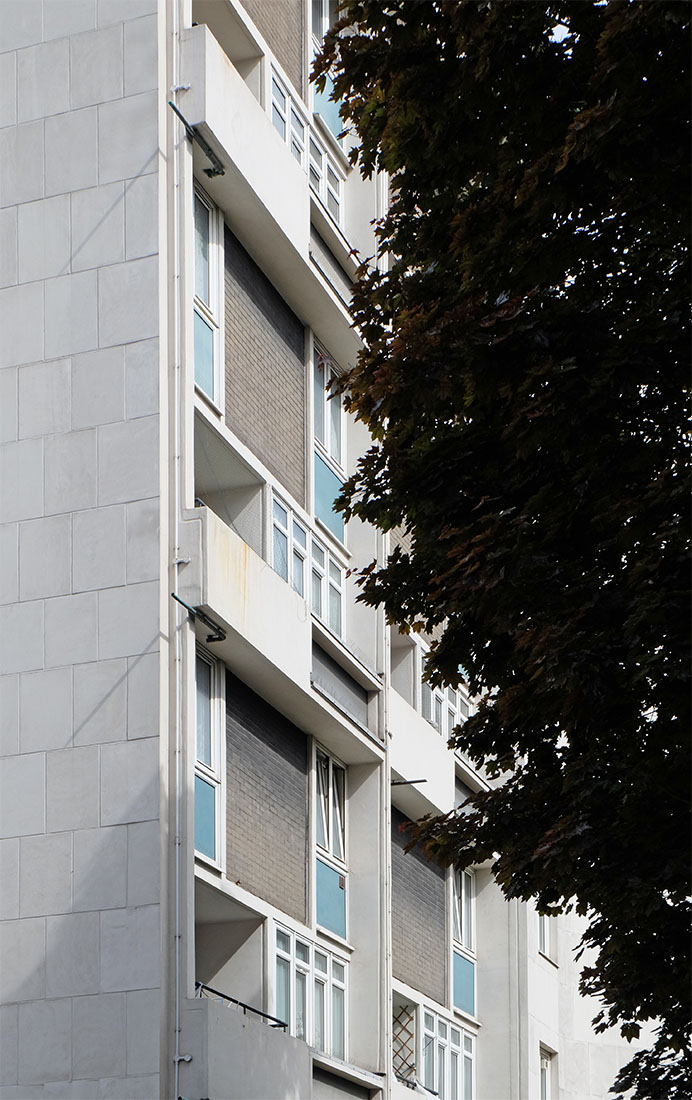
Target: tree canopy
<point>524,379</point>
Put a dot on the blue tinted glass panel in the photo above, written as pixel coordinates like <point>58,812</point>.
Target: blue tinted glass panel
<point>331,899</point>
<point>328,110</point>
<point>204,355</point>
<point>327,488</point>
<point>205,818</point>
<point>463,984</point>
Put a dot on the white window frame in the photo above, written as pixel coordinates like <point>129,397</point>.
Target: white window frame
<point>546,1063</point>
<point>332,442</point>
<point>330,848</point>
<point>452,1049</point>
<point>326,177</point>
<point>296,129</point>
<point>329,980</point>
<point>213,772</point>
<point>464,911</point>
<point>323,572</point>
<point>323,18</point>
<point>443,708</point>
<point>547,929</point>
<point>211,312</point>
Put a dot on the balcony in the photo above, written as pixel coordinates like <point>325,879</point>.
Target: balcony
<point>418,751</point>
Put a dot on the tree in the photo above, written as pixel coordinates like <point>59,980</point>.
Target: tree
<point>524,380</point>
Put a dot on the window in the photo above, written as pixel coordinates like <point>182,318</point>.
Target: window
<point>287,119</point>
<point>546,935</point>
<point>546,1073</point>
<point>328,429</point>
<point>308,566</point>
<point>330,836</point>
<point>324,15</point>
<point>208,762</point>
<point>464,932</point>
<point>443,708</point>
<point>208,297</point>
<point>310,993</point>
<point>326,178</point>
<point>447,1058</point>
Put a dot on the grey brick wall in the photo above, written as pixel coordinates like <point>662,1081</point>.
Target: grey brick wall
<point>281,23</point>
<point>267,798</point>
<point>419,933</point>
<point>265,369</point>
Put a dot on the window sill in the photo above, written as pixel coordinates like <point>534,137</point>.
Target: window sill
<point>207,863</point>
<point>336,648</point>
<point>348,1071</point>
<point>334,540</point>
<point>467,1018</point>
<point>208,403</point>
<point>333,939</point>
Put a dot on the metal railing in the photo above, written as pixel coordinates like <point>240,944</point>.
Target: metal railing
<point>202,990</point>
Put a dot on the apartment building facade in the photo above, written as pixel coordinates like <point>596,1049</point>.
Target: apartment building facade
<point>209,747</point>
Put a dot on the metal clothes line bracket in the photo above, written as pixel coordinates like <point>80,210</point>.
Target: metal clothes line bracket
<point>193,134</point>
<point>218,633</point>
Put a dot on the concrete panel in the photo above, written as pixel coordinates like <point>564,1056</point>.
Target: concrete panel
<point>96,67</point>
<point>70,1090</point>
<point>113,11</point>
<point>142,378</point>
<point>128,296</point>
<point>8,232</point>
<point>71,323</point>
<point>99,1035</point>
<point>100,869</point>
<point>141,55</point>
<point>130,781</point>
<point>43,396</point>
<point>128,619</point>
<point>21,637</point>
<point>63,17</point>
<point>45,709</point>
<point>143,558</point>
<point>21,24</point>
<point>71,629</point>
<point>128,1088</point>
<point>9,1033</point>
<point>70,481</point>
<point>98,387</point>
<point>8,403</point>
<point>44,238</point>
<point>143,696</point>
<point>9,563</point>
<point>130,127</point>
<point>143,1008</point>
<point>100,702</point>
<point>98,226</point>
<point>44,1041</point>
<point>129,460</point>
<point>45,880</point>
<point>143,859</point>
<point>8,89</point>
<point>99,548</point>
<point>23,959</point>
<point>130,948</point>
<point>22,340</point>
<point>22,795</point>
<point>9,715</point>
<point>9,879</point>
<point>281,1065</point>
<point>72,956</point>
<point>21,480</point>
<point>71,151</point>
<point>43,75</point>
<point>141,222</point>
<point>44,557</point>
<point>21,160</point>
<point>72,795</point>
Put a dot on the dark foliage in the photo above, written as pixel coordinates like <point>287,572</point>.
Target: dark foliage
<point>525,382</point>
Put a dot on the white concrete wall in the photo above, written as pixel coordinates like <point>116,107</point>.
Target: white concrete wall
<point>80,939</point>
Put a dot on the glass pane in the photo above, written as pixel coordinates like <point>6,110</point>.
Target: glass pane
<point>204,711</point>
<point>317,594</point>
<point>441,1071</point>
<point>442,1029</point>
<point>318,555</point>
<point>317,18</point>
<point>314,179</point>
<point>338,1023</point>
<point>333,208</point>
<point>334,610</point>
<point>327,488</point>
<point>302,951</point>
<point>429,1062</point>
<point>283,942</point>
<point>335,574</point>
<point>322,800</point>
<point>456,910</point>
<point>297,150</point>
<point>281,553</point>
<point>438,713</point>
<point>468,909</point>
<point>283,990</point>
<point>205,818</point>
<point>319,1006</point>
<point>429,1022</point>
<point>280,514</point>
<point>297,127</point>
<point>426,701</point>
<point>316,155</point>
<point>301,1003</point>
<point>454,1077</point>
<point>278,96</point>
<point>468,1044</point>
<point>331,899</point>
<point>338,971</point>
<point>335,411</point>
<point>297,580</point>
<point>320,962</point>
<point>463,984</point>
<point>338,838</point>
<point>332,178</point>
<point>299,535</point>
<point>201,250</point>
<point>279,123</point>
<point>318,397</point>
<point>204,355</point>
<point>468,1079</point>
<point>455,1036</point>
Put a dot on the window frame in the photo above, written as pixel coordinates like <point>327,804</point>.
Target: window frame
<point>452,702</point>
<point>213,773</point>
<point>546,1064</point>
<point>211,312</point>
<point>329,573</point>
<point>320,163</point>
<point>326,853</point>
<point>463,925</point>
<point>293,118</point>
<point>327,979</point>
<point>444,1050</point>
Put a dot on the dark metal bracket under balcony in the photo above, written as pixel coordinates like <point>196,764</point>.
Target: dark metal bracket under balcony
<point>202,990</point>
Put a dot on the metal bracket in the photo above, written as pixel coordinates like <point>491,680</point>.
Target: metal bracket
<point>218,633</point>
<point>193,134</point>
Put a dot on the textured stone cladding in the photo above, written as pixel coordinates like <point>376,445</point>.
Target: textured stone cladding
<point>265,369</point>
<point>266,819</point>
<point>419,939</point>
<point>281,23</point>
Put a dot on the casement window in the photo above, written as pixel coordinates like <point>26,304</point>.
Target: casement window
<point>311,993</point>
<point>326,178</point>
<point>288,120</point>
<point>308,566</point>
<point>330,838</point>
<point>328,419</point>
<point>546,935</point>
<point>208,298</point>
<point>464,946</point>
<point>208,759</point>
<point>447,1058</point>
<point>546,1073</point>
<point>324,14</point>
<point>443,708</point>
